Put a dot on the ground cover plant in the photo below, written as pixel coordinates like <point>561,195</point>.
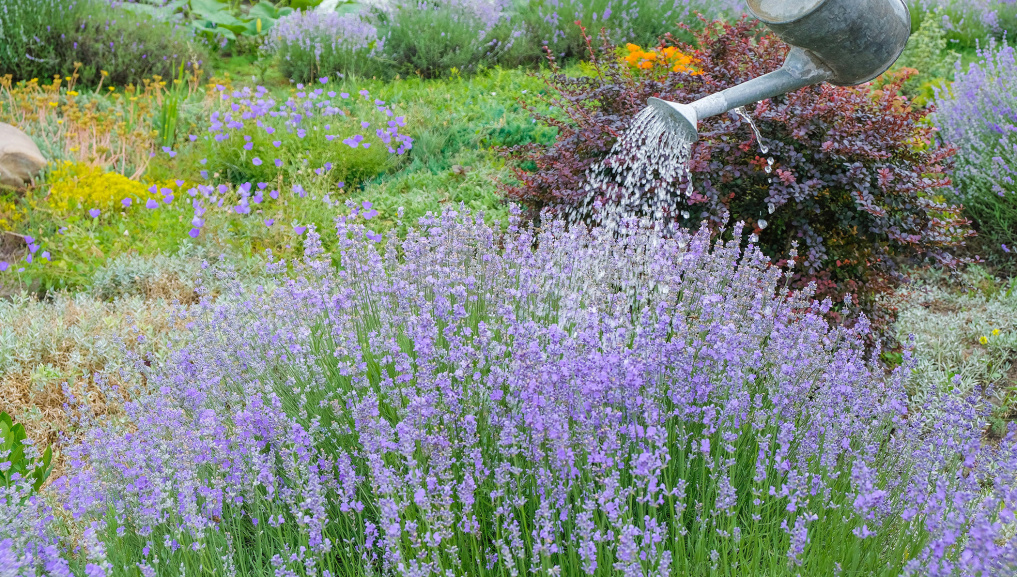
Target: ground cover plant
<point>857,194</point>
<point>965,338</point>
<point>100,126</point>
<point>511,409</point>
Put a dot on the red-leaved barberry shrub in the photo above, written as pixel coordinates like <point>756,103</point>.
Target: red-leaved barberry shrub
<point>855,175</point>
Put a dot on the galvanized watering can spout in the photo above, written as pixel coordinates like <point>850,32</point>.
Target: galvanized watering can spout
<point>844,42</point>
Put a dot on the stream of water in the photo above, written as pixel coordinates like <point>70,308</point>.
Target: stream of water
<point>744,115</point>
<point>645,176</point>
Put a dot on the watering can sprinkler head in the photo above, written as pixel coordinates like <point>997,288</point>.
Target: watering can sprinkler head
<point>844,42</point>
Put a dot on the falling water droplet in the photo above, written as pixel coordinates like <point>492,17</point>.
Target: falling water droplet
<point>744,115</point>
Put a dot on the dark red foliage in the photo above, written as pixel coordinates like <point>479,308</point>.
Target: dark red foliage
<point>855,174</point>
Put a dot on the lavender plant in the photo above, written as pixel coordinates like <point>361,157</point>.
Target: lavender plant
<point>555,402</point>
<point>978,114</point>
<point>434,37</point>
<point>311,44</point>
<point>968,22</point>
<point>40,39</point>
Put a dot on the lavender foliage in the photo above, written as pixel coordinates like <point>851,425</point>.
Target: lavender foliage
<point>311,44</point>
<point>558,402</point>
<point>435,37</point>
<point>978,114</point>
<point>43,38</point>
<point>969,20</point>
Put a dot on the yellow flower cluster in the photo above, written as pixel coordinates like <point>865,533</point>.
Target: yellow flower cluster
<point>10,214</point>
<point>82,187</point>
<point>985,340</point>
<point>668,57</point>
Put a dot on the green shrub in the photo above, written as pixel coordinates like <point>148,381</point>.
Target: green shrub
<point>44,38</point>
<point>927,52</point>
<point>30,31</point>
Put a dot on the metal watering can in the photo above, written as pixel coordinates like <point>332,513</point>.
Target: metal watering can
<point>844,42</point>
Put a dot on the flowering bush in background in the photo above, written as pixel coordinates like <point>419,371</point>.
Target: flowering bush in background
<point>43,38</point>
<point>978,115</point>
<point>311,44</point>
<point>317,134</point>
<point>850,175</point>
<point>596,405</point>
<point>434,37</point>
<point>552,22</point>
<point>969,21</point>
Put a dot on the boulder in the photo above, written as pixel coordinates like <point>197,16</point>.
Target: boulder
<point>20,158</point>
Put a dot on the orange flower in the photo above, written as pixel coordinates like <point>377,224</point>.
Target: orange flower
<point>669,57</point>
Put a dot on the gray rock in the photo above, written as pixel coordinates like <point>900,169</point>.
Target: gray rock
<point>20,158</point>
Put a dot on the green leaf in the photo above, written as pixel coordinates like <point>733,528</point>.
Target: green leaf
<point>265,11</point>
<point>304,4</point>
<point>209,9</point>
<point>43,469</point>
<point>210,30</point>
<point>348,8</point>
